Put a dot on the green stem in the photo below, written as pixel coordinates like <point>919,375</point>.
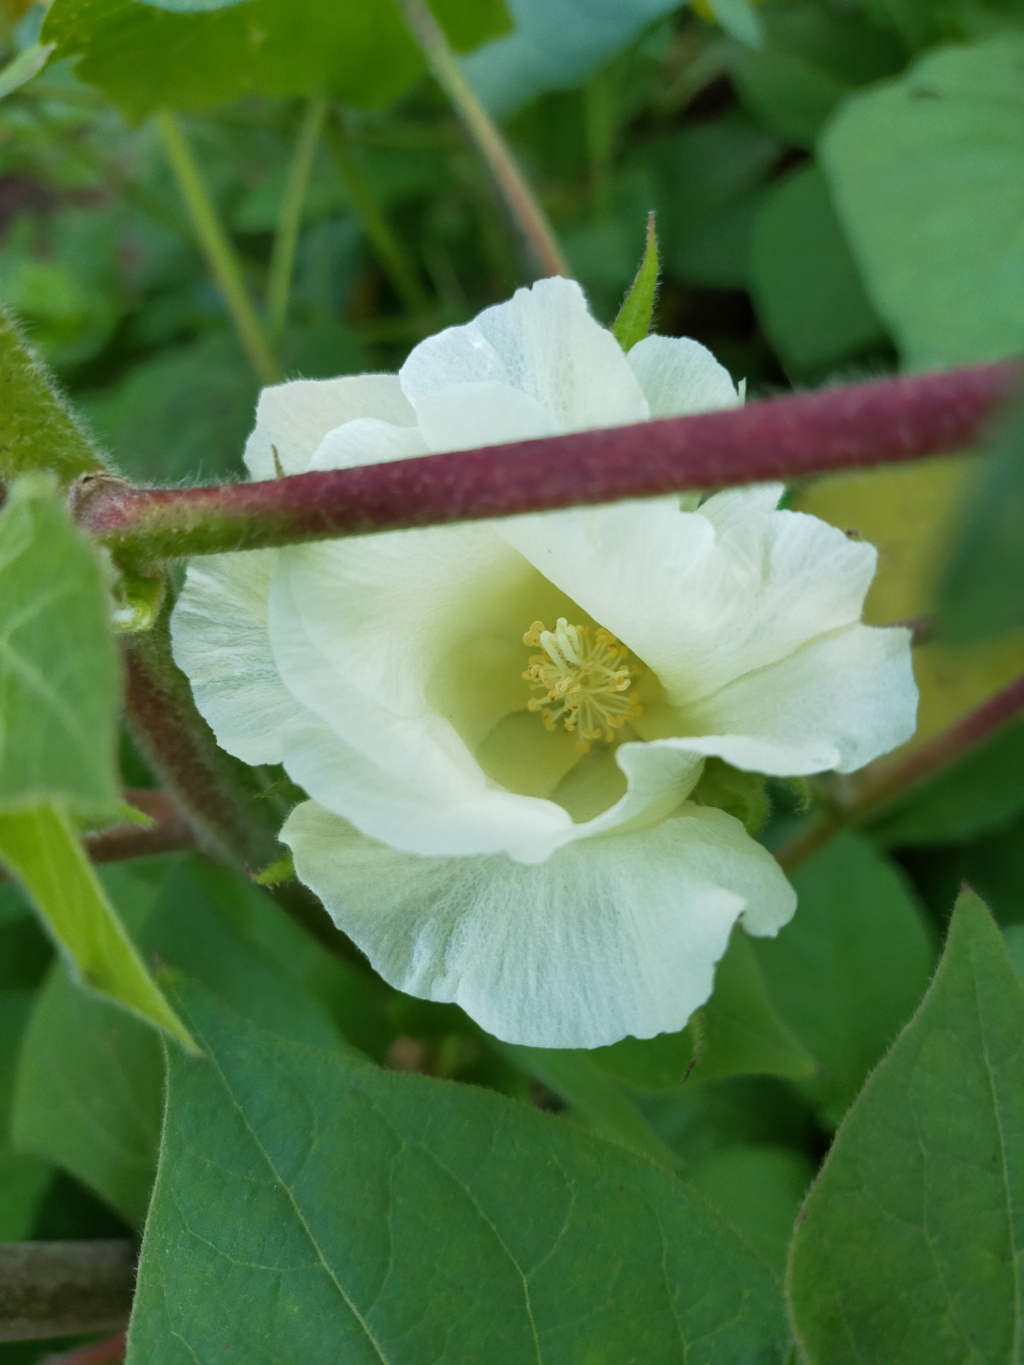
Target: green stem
<point>386,246</point>
<point>521,201</point>
<point>289,222</point>
<point>216,246</point>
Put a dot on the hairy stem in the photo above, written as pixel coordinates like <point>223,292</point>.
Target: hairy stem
<point>860,798</point>
<point>521,201</point>
<point>887,421</point>
<point>289,222</point>
<point>386,246</point>
<point>216,246</point>
<point>207,785</point>
<point>63,1289</point>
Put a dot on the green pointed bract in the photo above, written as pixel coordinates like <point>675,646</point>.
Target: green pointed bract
<point>637,312</point>
<point>911,1244</point>
<point>37,430</point>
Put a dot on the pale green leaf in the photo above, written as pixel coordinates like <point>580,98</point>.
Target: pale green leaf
<point>24,67</point>
<point>313,1208</point>
<point>927,173</point>
<point>58,664</point>
<point>634,318</point>
<point>40,848</point>
<point>911,1243</point>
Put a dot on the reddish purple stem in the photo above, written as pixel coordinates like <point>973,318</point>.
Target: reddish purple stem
<point>783,438</point>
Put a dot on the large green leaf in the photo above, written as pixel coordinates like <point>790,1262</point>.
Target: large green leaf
<point>91,1078</point>
<point>37,431</point>
<point>928,177</point>
<point>911,1244</point>
<point>849,970</point>
<point>313,1208</point>
<point>808,293</point>
<point>58,663</point>
<point>144,58</point>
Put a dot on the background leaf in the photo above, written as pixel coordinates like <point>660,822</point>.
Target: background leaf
<point>849,970</point>
<point>928,178</point>
<point>58,665</point>
<point>361,53</point>
<point>507,1235</point>
<point>909,1247</point>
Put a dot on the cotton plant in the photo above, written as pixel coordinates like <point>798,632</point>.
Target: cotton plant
<point>505,728</point>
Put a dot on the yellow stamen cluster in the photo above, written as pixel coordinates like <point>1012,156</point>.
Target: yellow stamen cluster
<point>583,679</point>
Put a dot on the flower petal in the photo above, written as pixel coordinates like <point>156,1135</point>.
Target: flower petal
<point>685,591</point>
<point>543,343</point>
<point>365,633</point>
<point>365,441</point>
<point>460,815</point>
<point>612,937</point>
<point>836,703</point>
<point>294,418</point>
<point>680,376</point>
<point>219,639</point>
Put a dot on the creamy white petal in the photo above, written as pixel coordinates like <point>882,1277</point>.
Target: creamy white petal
<point>469,415</point>
<point>680,376</point>
<point>687,596</point>
<point>365,441</point>
<point>459,816</point>
<point>836,703</point>
<point>294,418</point>
<point>220,641</point>
<point>543,342</point>
<point>611,937</point>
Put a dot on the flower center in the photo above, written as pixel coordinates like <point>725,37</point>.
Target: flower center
<point>583,680</point>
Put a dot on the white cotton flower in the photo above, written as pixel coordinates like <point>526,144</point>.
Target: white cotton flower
<point>499,724</point>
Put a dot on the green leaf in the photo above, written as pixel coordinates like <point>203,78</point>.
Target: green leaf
<point>982,590</point>
<point>806,288</point>
<point>634,318</point>
<point>739,19</point>
<point>58,663</point>
<point>849,970</point>
<point>811,58</point>
<point>37,430</point>
<point>24,67</point>
<point>709,181</point>
<point>91,1078</point>
<point>588,1089</point>
<point>741,1032</point>
<point>910,1247</point>
<point>144,58</point>
<point>759,1190</point>
<point>659,1063</point>
<point>304,1198</point>
<point>40,847</point>
<point>982,791</point>
<point>23,1178</point>
<point>556,45</point>
<point>928,177</point>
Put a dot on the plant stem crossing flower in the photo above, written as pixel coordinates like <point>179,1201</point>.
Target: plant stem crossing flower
<point>501,726</point>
